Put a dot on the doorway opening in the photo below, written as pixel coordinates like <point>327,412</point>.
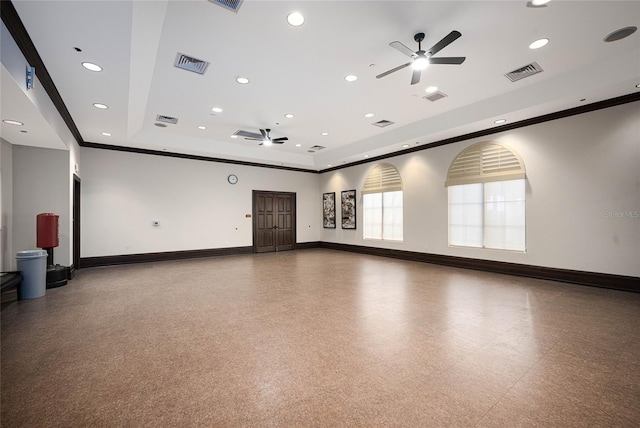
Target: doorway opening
<point>76,225</point>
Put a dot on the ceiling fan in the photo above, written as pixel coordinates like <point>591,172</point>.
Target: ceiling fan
<point>263,136</point>
<point>420,59</point>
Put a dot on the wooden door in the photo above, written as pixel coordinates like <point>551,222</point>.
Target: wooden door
<point>274,221</point>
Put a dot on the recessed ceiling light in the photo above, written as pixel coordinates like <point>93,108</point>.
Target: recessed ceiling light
<point>431,89</point>
<point>499,121</point>
<point>351,78</point>
<point>324,134</point>
<point>329,165</point>
<point>295,19</point>
<point>298,145</point>
<point>91,66</point>
<point>202,127</point>
<point>216,110</point>
<point>369,115</point>
<point>242,80</point>
<point>638,85</point>
<point>12,122</point>
<point>100,106</point>
<point>289,116</point>
<point>404,146</point>
<point>234,136</point>
<point>539,2</point>
<point>365,156</point>
<point>106,134</point>
<point>538,43</point>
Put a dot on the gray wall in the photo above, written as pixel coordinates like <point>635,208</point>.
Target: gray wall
<point>6,219</point>
<point>41,185</point>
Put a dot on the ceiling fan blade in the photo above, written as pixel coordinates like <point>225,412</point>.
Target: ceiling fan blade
<point>402,48</point>
<point>265,133</point>
<point>279,140</point>
<point>255,139</point>
<point>247,134</point>
<point>393,70</point>
<point>456,60</point>
<point>449,38</point>
<point>415,77</point>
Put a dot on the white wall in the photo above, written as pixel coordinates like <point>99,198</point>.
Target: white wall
<point>582,172</point>
<point>6,217</point>
<point>122,193</point>
<point>41,185</point>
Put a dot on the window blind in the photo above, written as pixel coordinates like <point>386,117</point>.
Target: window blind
<point>383,177</point>
<point>485,162</point>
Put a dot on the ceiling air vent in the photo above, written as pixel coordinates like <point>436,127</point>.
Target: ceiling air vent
<point>522,72</point>
<point>232,5</point>
<point>316,147</point>
<point>188,63</point>
<point>435,96</point>
<point>166,119</point>
<point>383,123</point>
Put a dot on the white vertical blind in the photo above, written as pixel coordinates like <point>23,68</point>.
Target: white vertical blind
<point>372,215</point>
<point>392,215</point>
<point>489,215</point>
<point>382,202</point>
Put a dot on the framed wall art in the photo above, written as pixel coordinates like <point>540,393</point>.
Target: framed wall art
<point>348,207</point>
<point>329,210</point>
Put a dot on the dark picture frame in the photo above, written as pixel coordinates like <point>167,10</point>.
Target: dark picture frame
<point>329,210</point>
<point>348,209</point>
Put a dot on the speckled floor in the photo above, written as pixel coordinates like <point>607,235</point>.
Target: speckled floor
<point>319,338</point>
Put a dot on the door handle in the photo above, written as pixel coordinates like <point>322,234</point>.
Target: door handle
<point>274,227</point>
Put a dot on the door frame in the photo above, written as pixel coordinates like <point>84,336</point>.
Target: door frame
<point>255,217</point>
<point>76,222</point>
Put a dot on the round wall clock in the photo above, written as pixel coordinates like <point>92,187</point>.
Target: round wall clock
<point>232,178</point>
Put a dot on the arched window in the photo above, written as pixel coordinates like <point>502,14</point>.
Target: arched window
<point>486,186</point>
<point>382,202</point>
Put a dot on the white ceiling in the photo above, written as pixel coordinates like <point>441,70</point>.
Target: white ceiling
<point>301,71</point>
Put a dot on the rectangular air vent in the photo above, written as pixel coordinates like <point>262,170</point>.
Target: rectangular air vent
<point>435,96</point>
<point>189,63</point>
<point>232,5</point>
<point>316,147</point>
<point>383,123</point>
<point>166,119</point>
<point>522,72</point>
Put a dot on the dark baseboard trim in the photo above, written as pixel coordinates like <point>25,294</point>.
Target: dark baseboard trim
<point>595,279</point>
<point>307,245</point>
<point>87,262</point>
<point>71,272</point>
